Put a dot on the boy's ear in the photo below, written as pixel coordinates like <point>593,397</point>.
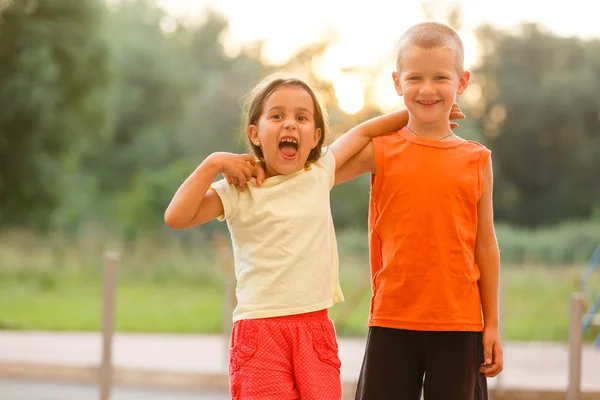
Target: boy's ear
<point>463,82</point>
<point>397,85</point>
<point>253,135</point>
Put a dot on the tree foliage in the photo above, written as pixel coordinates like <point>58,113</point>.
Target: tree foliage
<point>104,112</point>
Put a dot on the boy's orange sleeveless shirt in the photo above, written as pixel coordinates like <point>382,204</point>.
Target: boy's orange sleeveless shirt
<point>422,229</point>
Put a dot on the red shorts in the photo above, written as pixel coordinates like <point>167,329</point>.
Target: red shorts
<point>285,358</point>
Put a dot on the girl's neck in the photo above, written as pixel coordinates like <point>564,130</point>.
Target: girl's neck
<point>269,172</point>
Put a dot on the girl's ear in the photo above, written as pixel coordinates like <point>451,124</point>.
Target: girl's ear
<point>253,135</point>
<point>316,137</point>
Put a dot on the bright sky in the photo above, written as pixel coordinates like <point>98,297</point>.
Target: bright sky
<point>368,30</point>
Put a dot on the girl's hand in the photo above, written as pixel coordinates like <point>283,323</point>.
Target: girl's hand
<point>256,169</point>
<point>455,113</point>
<point>235,167</point>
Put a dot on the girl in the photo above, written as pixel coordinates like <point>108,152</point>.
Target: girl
<point>283,344</point>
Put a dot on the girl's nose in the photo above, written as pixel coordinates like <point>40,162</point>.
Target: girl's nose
<point>287,124</point>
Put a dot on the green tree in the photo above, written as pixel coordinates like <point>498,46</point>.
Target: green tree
<point>350,200</point>
<point>55,75</point>
<point>540,113</point>
<point>178,100</point>
<point>154,81</point>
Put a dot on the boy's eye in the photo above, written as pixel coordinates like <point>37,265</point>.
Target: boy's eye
<point>415,78</point>
<point>440,78</point>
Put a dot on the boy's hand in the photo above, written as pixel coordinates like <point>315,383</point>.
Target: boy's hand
<point>257,171</point>
<point>455,113</point>
<point>493,358</point>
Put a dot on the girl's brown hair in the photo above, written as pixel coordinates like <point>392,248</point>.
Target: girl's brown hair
<point>259,96</point>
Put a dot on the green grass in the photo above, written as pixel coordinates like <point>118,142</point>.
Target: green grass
<point>174,284</point>
<point>535,304</point>
<point>141,307</point>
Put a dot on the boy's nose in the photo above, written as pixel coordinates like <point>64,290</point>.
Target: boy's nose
<point>427,88</point>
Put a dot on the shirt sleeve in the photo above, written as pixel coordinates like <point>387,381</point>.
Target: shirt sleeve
<point>327,163</point>
<point>229,195</point>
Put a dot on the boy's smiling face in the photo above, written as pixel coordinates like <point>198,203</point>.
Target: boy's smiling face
<point>429,80</point>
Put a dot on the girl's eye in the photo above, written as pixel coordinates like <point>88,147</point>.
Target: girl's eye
<point>301,118</point>
<point>276,116</point>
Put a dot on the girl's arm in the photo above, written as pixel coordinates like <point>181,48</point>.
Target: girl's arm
<point>193,203</point>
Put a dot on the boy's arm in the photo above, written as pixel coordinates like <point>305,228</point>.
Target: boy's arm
<point>193,203</point>
<point>351,143</point>
<point>360,164</point>
<point>354,154</point>
<point>487,256</point>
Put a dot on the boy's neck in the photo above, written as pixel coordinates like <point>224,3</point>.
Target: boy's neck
<point>430,131</point>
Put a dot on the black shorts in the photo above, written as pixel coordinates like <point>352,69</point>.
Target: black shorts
<point>399,364</point>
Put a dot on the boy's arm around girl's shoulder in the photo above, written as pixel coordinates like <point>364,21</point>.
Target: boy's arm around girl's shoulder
<point>194,203</point>
<point>361,163</point>
<point>354,154</point>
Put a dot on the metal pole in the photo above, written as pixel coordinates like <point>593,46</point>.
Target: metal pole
<point>500,378</point>
<point>228,310</point>
<point>229,300</point>
<point>108,323</point>
<point>577,306</point>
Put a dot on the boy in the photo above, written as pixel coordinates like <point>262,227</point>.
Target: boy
<point>433,321</point>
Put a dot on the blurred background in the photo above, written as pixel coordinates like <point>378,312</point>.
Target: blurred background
<point>106,106</point>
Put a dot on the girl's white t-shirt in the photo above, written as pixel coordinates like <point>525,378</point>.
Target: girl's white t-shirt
<point>283,240</point>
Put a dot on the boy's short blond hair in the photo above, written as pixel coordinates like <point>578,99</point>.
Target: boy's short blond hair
<point>429,35</point>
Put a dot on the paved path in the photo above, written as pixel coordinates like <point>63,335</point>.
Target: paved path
<point>32,390</point>
<point>199,361</point>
